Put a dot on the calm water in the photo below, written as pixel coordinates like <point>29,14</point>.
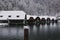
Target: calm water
<point>42,32</point>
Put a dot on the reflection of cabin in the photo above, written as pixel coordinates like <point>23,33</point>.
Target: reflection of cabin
<point>12,16</point>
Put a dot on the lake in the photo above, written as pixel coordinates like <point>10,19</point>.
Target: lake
<point>40,32</point>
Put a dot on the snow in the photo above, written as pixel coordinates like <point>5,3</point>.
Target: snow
<point>51,17</point>
<point>28,16</point>
<point>34,16</point>
<point>26,27</point>
<point>43,17</point>
<point>3,24</point>
<point>21,15</point>
<point>13,14</point>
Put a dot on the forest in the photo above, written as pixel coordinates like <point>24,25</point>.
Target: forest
<point>32,7</point>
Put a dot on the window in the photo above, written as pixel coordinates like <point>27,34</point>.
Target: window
<point>9,16</point>
<point>1,16</point>
<point>17,16</point>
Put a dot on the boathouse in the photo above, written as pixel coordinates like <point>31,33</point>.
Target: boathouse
<point>31,19</point>
<point>12,17</point>
<point>40,19</point>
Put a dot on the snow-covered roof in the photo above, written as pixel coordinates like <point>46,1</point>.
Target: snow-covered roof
<point>13,15</point>
<point>34,16</point>
<point>51,17</point>
<point>43,17</point>
<point>28,16</point>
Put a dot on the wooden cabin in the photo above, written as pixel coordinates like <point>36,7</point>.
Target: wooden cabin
<point>12,17</point>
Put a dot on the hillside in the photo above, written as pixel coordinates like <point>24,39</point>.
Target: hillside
<point>34,7</point>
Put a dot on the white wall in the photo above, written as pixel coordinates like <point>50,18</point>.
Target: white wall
<point>28,16</point>
<point>13,14</point>
<point>34,16</point>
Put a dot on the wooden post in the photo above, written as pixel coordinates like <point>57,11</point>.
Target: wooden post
<point>8,22</point>
<point>26,33</point>
<point>26,29</point>
<point>25,20</point>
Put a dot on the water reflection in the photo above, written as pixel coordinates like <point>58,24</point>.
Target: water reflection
<point>36,32</point>
<point>45,32</point>
<point>12,33</point>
